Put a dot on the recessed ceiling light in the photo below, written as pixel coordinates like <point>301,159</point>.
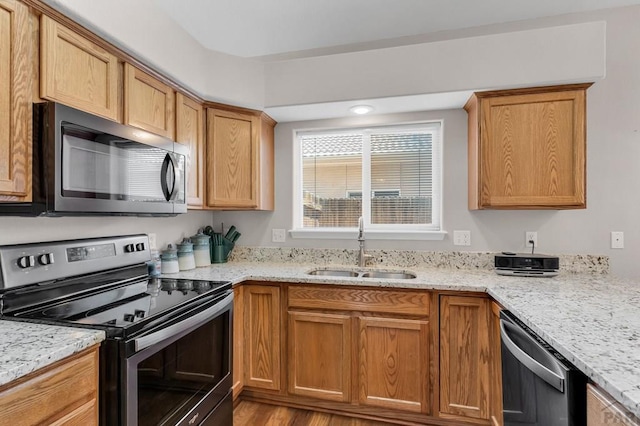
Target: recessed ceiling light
<point>361,109</point>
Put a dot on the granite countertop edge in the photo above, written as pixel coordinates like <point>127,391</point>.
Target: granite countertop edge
<point>26,347</point>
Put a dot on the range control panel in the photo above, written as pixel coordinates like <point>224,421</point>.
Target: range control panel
<point>23,264</point>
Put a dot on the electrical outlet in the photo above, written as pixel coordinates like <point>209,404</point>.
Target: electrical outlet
<point>278,235</point>
<point>152,241</point>
<point>617,240</point>
<point>528,236</point>
<point>461,238</point>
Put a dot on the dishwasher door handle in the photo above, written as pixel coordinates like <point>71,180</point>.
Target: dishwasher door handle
<point>551,377</point>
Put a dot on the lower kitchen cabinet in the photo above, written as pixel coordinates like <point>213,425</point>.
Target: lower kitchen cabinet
<point>238,340</point>
<point>366,347</point>
<point>396,355</point>
<point>495,366</point>
<point>319,358</point>
<point>602,410</point>
<point>393,360</point>
<point>465,358</point>
<point>262,339</point>
<point>65,393</point>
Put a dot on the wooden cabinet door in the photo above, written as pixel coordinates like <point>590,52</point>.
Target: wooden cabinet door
<point>602,410</point>
<point>65,393</point>
<point>238,340</point>
<point>232,159</point>
<point>77,72</point>
<point>15,101</point>
<point>527,148</point>
<point>262,328</point>
<point>464,357</point>
<point>190,132</point>
<point>148,103</point>
<point>266,196</point>
<point>393,363</point>
<point>319,361</point>
<point>495,367</point>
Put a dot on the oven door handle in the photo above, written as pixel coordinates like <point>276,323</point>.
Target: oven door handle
<point>196,320</point>
<point>549,376</point>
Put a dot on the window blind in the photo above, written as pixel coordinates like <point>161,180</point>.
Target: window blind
<point>390,176</point>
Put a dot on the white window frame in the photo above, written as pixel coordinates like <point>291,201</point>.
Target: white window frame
<point>433,231</point>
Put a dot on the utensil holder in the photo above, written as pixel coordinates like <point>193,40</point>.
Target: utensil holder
<point>221,248</point>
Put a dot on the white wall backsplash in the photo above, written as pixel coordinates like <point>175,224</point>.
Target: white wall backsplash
<point>16,230</point>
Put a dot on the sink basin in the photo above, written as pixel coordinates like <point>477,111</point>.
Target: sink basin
<point>334,272</point>
<point>390,275</point>
<point>395,275</point>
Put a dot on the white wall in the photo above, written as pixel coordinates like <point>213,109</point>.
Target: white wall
<point>513,59</point>
<point>15,230</point>
<point>613,173</point>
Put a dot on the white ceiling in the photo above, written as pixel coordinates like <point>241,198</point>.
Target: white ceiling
<point>260,28</point>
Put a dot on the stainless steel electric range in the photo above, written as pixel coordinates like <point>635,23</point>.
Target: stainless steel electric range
<point>167,356</point>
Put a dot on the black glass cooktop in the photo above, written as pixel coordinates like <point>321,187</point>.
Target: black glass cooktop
<point>127,305</point>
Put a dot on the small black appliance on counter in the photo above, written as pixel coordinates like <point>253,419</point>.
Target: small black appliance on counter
<point>526,265</point>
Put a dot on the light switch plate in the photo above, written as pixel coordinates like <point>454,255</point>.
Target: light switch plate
<point>461,238</point>
<point>617,240</point>
<point>278,235</point>
<point>152,241</point>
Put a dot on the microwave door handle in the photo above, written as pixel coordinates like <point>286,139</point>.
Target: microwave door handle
<point>551,377</point>
<point>164,170</point>
<point>177,178</point>
<point>193,321</point>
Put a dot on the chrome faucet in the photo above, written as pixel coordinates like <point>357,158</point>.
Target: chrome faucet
<point>362,256</point>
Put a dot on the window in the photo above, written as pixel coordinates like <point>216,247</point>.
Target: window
<point>397,169</point>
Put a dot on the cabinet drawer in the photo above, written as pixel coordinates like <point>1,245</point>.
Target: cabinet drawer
<point>64,394</point>
<point>368,300</point>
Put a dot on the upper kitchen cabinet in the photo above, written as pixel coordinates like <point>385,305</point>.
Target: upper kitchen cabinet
<point>148,103</point>
<point>239,159</point>
<point>190,132</point>
<point>527,148</point>
<point>77,72</point>
<point>15,101</point>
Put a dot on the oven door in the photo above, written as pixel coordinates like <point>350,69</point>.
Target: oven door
<point>180,371</point>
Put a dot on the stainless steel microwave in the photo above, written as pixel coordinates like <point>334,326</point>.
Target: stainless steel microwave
<point>87,165</point>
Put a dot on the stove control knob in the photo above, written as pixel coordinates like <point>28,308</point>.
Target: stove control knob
<point>129,317</point>
<point>26,262</point>
<point>45,259</point>
<point>140,247</point>
<point>139,313</point>
<point>129,248</point>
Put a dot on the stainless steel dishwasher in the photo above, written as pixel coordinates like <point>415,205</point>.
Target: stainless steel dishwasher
<point>539,386</point>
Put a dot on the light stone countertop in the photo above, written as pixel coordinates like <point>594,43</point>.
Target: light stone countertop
<point>591,319</point>
<point>27,347</point>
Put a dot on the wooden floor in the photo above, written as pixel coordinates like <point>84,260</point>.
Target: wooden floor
<point>249,413</point>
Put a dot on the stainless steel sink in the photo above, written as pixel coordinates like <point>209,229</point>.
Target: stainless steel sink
<point>389,275</point>
<point>363,274</point>
<point>334,272</point>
